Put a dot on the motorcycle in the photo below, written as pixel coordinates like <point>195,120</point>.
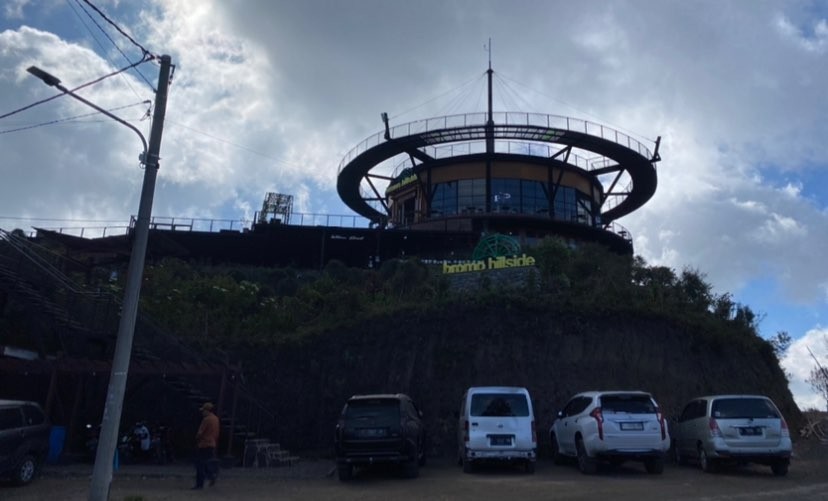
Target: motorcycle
<point>141,445</point>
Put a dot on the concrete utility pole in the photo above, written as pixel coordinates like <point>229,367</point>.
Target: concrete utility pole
<point>108,441</point>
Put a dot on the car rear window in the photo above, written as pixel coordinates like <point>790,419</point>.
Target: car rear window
<point>499,404</point>
<point>629,404</point>
<point>731,408</point>
<point>373,409</point>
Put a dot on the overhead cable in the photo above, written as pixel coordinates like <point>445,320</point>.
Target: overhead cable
<point>87,84</point>
<point>122,32</point>
<point>103,49</point>
<point>67,119</point>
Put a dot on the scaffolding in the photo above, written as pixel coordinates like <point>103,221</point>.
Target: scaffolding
<point>276,208</point>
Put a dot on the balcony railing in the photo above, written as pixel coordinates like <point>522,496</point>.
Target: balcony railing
<point>500,119</point>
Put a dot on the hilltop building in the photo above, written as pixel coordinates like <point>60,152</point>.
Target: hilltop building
<point>437,189</point>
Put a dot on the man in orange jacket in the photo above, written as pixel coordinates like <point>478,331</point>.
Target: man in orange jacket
<point>206,442</point>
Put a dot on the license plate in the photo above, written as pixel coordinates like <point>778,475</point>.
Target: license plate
<point>632,426</point>
<point>750,431</point>
<point>500,440</point>
<point>371,432</point>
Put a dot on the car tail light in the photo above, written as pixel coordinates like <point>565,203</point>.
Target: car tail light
<point>599,417</point>
<point>784,429</point>
<point>714,428</point>
<point>660,417</point>
<point>466,431</point>
<point>534,433</point>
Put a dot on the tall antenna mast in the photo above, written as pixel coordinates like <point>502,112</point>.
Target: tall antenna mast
<point>490,122</point>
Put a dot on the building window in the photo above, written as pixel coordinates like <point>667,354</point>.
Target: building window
<point>444,199</point>
<point>471,195</point>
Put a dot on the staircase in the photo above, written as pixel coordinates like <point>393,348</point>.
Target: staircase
<point>75,323</point>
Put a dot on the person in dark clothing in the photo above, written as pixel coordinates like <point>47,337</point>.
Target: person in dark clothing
<point>206,441</point>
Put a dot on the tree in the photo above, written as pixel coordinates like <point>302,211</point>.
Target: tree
<point>780,343</point>
<point>819,377</point>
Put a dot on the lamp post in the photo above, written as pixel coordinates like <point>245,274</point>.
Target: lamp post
<point>108,441</point>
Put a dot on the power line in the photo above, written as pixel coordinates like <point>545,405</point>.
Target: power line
<point>67,119</point>
<point>103,49</point>
<point>87,84</point>
<point>122,32</point>
<point>61,220</point>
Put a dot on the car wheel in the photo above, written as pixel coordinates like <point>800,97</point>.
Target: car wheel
<point>530,467</point>
<point>586,464</point>
<point>780,468</point>
<point>468,466</point>
<point>25,471</point>
<point>654,466</point>
<point>345,471</point>
<point>557,457</point>
<point>707,464</point>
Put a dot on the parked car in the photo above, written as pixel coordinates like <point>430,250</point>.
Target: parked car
<point>24,440</point>
<point>732,428</point>
<point>613,426</point>
<point>380,429</point>
<point>497,423</point>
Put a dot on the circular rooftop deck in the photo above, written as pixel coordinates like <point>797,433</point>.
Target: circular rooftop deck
<point>624,166</point>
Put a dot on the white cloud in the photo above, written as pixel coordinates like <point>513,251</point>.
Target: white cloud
<point>14,8</point>
<point>816,41</point>
<point>798,362</point>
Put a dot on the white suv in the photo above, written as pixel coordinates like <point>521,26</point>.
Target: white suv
<point>610,425</point>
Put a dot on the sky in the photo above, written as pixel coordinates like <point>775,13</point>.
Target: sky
<point>270,95</point>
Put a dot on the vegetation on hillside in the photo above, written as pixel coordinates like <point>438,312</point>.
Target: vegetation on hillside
<point>228,305</point>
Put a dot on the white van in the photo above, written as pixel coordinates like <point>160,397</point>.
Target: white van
<point>496,423</point>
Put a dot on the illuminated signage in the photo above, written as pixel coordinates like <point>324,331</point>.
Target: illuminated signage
<point>402,182</point>
<point>492,263</point>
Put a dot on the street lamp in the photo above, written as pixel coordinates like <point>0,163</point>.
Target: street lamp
<point>108,441</point>
<point>53,81</point>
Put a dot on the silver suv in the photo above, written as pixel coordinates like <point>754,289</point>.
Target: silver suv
<point>732,428</point>
<point>615,426</point>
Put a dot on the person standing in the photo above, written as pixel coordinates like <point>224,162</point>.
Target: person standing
<point>206,442</point>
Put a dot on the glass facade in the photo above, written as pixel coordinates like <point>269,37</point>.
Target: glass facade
<point>510,196</point>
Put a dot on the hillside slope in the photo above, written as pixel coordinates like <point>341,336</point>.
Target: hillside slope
<point>435,356</point>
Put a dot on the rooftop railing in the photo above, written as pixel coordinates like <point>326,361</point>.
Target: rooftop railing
<point>210,225</point>
<point>500,119</point>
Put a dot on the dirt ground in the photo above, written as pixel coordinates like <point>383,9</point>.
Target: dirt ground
<point>442,479</point>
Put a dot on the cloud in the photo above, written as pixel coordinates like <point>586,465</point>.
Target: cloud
<point>14,8</point>
<point>812,38</point>
<point>798,362</point>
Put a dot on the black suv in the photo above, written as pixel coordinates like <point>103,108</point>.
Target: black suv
<point>380,429</point>
<point>24,440</point>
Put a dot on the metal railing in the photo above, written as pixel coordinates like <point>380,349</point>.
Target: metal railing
<point>500,119</point>
<point>211,225</point>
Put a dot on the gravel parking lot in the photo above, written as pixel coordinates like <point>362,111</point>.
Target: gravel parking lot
<point>442,479</point>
